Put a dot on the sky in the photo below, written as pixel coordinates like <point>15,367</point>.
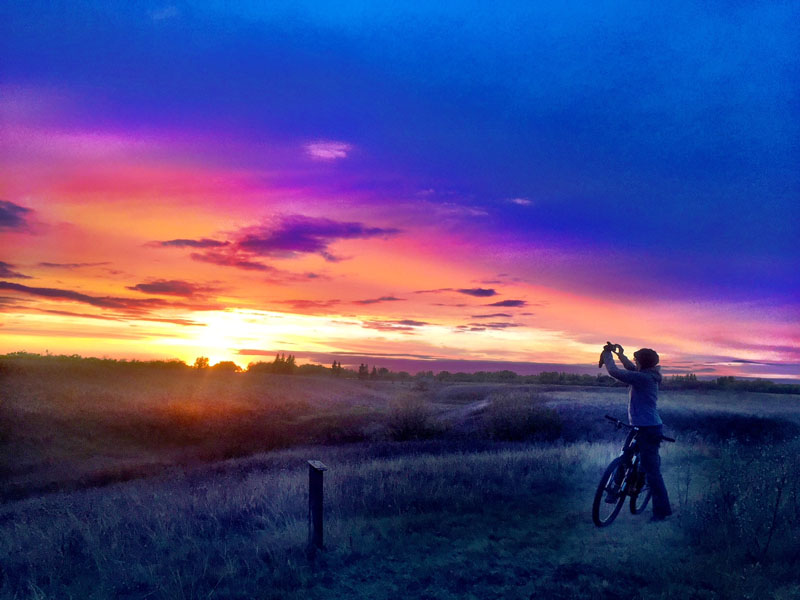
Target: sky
<point>460,185</point>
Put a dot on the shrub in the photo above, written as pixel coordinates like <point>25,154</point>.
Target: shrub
<point>513,417</point>
<point>409,419</point>
<point>752,509</point>
<point>721,427</point>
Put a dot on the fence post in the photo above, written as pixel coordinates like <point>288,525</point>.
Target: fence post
<point>315,471</point>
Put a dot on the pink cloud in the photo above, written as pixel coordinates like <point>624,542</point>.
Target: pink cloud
<point>328,150</point>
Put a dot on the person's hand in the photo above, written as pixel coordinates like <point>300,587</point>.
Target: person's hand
<point>620,350</point>
<point>609,347</point>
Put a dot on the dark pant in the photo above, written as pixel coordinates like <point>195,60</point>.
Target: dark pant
<point>648,441</point>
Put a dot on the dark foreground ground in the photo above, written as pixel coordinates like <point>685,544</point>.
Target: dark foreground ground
<point>452,492</point>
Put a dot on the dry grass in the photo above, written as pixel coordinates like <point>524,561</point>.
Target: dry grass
<point>426,520</point>
<point>241,531</point>
<point>455,511</point>
<point>75,428</point>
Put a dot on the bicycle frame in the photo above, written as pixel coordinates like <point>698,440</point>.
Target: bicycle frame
<point>628,454</point>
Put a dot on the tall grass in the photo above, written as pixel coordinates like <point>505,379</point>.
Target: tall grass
<point>240,534</point>
<point>61,429</point>
<point>752,508</point>
<point>514,416</point>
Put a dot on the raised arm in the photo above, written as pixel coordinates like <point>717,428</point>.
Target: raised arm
<point>626,362</point>
<point>621,374</point>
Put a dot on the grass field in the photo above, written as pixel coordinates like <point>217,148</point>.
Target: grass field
<point>152,485</point>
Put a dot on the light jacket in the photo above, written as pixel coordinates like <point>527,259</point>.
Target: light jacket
<point>642,389</point>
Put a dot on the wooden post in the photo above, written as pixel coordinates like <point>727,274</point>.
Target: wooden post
<point>315,471</point>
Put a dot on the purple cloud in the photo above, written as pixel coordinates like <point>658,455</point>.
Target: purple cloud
<point>381,326</point>
<point>68,313</point>
<point>7,270</point>
<point>288,237</point>
<point>463,328</point>
<point>494,325</point>
<point>230,260</point>
<point>170,287</point>
<point>13,216</point>
<point>186,243</point>
<point>791,352</point>
<point>377,300</point>
<point>492,316</point>
<point>9,301</point>
<point>184,322</point>
<point>129,304</point>
<point>50,265</point>
<point>310,304</point>
<point>405,325</point>
<point>298,234</point>
<point>478,292</point>
<point>509,303</point>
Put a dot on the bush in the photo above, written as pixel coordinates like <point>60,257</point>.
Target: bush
<point>721,427</point>
<point>409,419</point>
<point>514,417</point>
<point>752,509</point>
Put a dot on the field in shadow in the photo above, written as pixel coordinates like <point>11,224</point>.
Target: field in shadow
<point>68,429</point>
<point>420,518</point>
<point>441,491</point>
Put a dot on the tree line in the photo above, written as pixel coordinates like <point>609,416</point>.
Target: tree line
<point>286,364</point>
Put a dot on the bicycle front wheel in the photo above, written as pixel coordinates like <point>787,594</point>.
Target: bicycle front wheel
<point>610,486</point>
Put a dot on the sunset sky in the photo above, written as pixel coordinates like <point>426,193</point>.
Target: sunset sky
<point>412,184</point>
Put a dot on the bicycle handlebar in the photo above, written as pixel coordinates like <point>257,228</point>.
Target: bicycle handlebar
<point>620,425</point>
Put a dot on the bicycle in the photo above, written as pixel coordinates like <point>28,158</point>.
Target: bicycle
<point>623,478</point>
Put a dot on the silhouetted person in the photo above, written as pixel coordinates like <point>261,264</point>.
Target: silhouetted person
<point>643,379</point>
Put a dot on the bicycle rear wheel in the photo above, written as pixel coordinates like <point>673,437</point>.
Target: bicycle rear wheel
<point>604,513</point>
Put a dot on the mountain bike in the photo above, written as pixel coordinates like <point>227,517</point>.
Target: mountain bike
<point>623,478</point>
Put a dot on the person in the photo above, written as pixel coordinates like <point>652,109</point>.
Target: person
<point>643,378</point>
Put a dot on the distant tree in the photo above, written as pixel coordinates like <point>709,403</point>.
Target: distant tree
<point>506,375</point>
<point>548,377</point>
<point>363,371</point>
<point>283,364</point>
<point>374,374</point>
<point>310,369</point>
<point>226,366</point>
<point>201,362</point>
<point>725,381</point>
